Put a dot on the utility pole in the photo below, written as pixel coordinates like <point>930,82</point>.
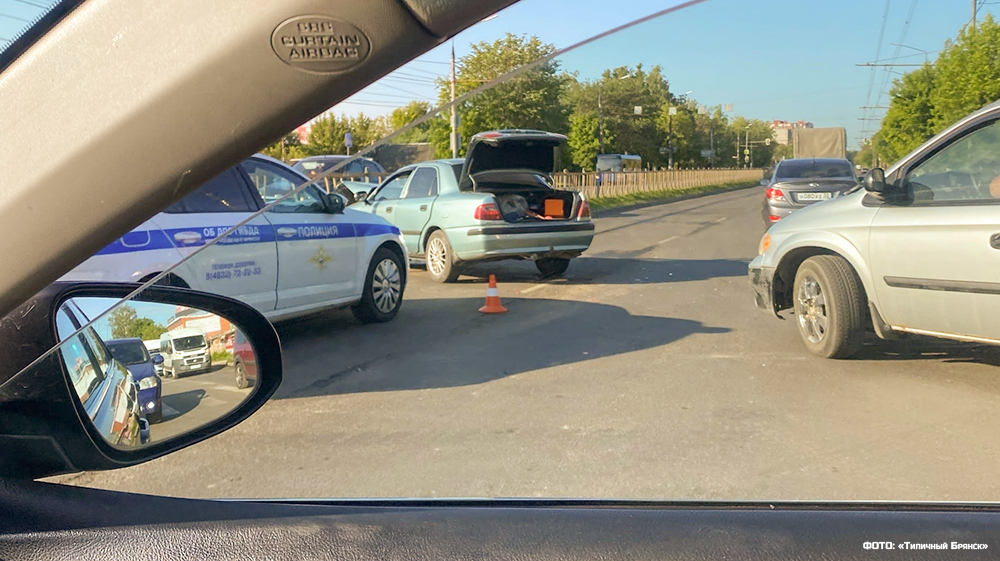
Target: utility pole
<point>600,119</point>
<point>454,110</point>
<point>972,22</point>
<point>670,137</point>
<point>747,158</point>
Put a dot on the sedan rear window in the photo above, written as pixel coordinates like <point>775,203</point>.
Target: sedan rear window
<point>813,169</point>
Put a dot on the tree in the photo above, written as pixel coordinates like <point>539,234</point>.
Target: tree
<point>620,90</point>
<point>403,116</point>
<point>967,73</point>
<point>286,147</point>
<point>121,319</point>
<point>909,120</point>
<point>125,323</point>
<point>326,135</point>
<point>583,140</point>
<point>531,100</point>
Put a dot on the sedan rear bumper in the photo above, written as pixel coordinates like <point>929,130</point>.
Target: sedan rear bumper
<point>567,239</point>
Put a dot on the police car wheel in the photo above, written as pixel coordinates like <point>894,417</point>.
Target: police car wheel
<point>383,292</point>
<point>440,261</point>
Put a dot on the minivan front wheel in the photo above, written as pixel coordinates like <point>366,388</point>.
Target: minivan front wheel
<point>829,306</point>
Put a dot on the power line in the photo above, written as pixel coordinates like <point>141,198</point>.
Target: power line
<point>33,4</point>
<point>878,53</point>
<point>902,39</point>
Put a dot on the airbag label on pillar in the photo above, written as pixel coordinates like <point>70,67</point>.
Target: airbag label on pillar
<point>320,44</point>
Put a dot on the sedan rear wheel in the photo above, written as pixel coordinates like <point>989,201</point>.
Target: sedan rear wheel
<point>829,306</point>
<point>440,261</point>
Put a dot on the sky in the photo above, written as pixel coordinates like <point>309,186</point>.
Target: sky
<point>94,307</point>
<point>772,59</point>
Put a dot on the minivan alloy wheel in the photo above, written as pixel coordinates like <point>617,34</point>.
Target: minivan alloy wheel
<point>810,308</point>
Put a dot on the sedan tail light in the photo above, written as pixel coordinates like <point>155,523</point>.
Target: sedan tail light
<point>584,211</point>
<point>488,211</point>
<point>775,194</point>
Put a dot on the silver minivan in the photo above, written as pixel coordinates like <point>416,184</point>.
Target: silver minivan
<point>915,249</point>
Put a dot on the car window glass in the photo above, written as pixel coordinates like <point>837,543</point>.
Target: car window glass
<point>274,182</point>
<point>86,372</point>
<point>24,18</point>
<point>223,193</point>
<point>966,170</point>
<point>392,189</point>
<point>354,167</point>
<point>813,169</point>
<point>423,184</point>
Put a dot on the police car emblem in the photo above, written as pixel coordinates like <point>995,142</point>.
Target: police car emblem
<point>321,258</point>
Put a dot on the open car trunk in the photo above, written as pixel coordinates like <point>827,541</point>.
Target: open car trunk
<point>526,195</point>
<point>514,165</point>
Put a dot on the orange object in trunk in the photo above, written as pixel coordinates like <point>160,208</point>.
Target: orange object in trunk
<point>555,208</point>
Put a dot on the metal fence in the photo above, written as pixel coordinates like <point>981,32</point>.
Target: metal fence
<point>611,184</point>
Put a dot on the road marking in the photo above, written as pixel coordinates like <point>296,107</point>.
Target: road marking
<point>533,288</point>
<point>671,238</point>
<point>723,219</point>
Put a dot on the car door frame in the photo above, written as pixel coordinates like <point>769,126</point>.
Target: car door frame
<point>413,238</point>
<point>375,205</point>
<point>349,244</point>
<point>971,293</point>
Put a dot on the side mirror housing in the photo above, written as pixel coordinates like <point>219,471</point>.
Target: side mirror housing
<point>335,203</point>
<point>764,182</point>
<point>56,417</point>
<point>157,359</point>
<point>874,181</point>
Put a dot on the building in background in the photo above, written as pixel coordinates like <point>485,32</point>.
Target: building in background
<point>303,131</point>
<point>219,331</point>
<point>782,130</point>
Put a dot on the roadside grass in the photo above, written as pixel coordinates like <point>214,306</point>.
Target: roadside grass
<point>631,199</point>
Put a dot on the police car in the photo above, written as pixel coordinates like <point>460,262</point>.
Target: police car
<point>305,254</point>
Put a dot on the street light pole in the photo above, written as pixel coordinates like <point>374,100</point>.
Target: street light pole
<point>454,111</point>
<point>600,118</point>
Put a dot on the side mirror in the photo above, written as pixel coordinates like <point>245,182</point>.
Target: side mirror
<point>764,182</point>
<point>335,203</point>
<point>874,181</point>
<point>361,195</point>
<point>157,359</point>
<point>71,405</point>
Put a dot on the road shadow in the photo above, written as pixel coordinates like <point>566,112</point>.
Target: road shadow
<point>916,347</point>
<point>183,402</point>
<point>608,270</point>
<point>442,343</point>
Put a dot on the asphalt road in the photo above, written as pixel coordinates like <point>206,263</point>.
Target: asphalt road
<point>645,373</point>
<point>196,399</point>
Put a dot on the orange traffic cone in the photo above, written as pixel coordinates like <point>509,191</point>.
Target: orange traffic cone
<point>493,299</point>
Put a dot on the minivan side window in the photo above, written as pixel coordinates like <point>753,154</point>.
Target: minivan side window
<point>223,193</point>
<point>967,170</point>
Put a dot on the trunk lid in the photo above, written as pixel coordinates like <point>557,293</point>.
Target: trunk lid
<point>532,151</point>
<point>809,191</point>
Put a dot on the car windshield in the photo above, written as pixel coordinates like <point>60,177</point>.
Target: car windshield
<point>189,343</point>
<point>813,169</point>
<point>128,352</point>
<point>580,332</point>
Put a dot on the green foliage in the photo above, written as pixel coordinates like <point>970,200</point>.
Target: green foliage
<point>583,140</point>
<point>404,116</point>
<point>909,120</point>
<point>785,151</point>
<point>125,323</point>
<point>530,100</point>
<point>222,356</point>
<point>327,133</point>
<point>284,148</point>
<point>965,77</point>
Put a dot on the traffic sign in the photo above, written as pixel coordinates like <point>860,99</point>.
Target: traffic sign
<point>349,140</point>
<point>672,111</point>
<point>746,151</point>
<point>707,153</point>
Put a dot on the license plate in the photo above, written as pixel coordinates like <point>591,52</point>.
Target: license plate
<point>813,196</point>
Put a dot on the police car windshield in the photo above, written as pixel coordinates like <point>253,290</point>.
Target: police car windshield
<point>128,352</point>
<point>189,343</point>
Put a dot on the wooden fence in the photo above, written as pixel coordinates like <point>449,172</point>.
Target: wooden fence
<point>608,184</point>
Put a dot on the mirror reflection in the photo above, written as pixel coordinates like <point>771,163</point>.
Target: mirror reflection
<point>146,372</point>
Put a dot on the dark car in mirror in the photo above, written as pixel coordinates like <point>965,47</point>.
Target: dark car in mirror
<point>133,354</point>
